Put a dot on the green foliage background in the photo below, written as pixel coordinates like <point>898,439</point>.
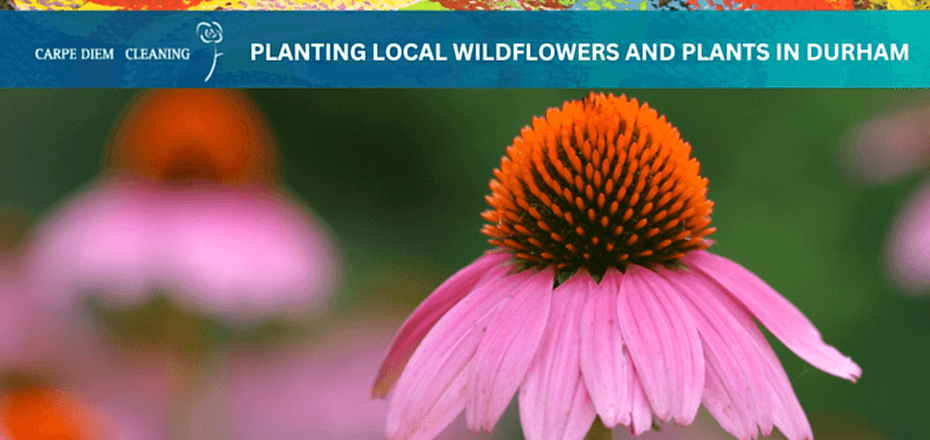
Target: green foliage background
<point>400,177</point>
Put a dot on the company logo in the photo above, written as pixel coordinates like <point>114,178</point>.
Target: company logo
<point>211,33</point>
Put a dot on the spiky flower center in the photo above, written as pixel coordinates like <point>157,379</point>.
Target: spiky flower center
<point>601,183</point>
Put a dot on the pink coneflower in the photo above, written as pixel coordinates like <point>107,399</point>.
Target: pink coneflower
<point>190,206</point>
<point>600,299</point>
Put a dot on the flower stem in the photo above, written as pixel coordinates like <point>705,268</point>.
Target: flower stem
<point>598,431</point>
<point>190,355</point>
<point>213,67</point>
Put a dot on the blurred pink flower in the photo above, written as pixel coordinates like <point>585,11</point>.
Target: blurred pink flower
<point>890,146</point>
<point>189,207</point>
<point>907,251</point>
<point>883,150</point>
<point>600,299</point>
<point>239,254</point>
<point>319,391</point>
<point>56,369</point>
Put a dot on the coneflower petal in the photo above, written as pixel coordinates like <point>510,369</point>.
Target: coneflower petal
<point>776,401</point>
<point>431,391</point>
<point>508,347</point>
<point>787,413</point>
<point>724,400</point>
<point>415,328</point>
<point>664,344</point>
<point>581,413</point>
<point>642,412</point>
<point>554,401</point>
<point>433,420</point>
<point>775,312</point>
<point>605,364</point>
<point>735,386</point>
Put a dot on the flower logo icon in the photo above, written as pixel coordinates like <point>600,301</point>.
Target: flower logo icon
<point>211,33</point>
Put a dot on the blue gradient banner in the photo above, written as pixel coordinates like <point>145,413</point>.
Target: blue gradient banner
<point>465,49</point>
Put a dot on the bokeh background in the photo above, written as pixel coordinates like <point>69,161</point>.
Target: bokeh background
<point>399,176</point>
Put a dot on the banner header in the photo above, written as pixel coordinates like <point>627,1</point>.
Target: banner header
<point>464,49</point>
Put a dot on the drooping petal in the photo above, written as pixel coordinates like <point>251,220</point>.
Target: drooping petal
<point>554,401</point>
<point>773,397</point>
<point>605,365</point>
<point>431,391</point>
<point>664,344</point>
<point>735,390</point>
<point>507,349</point>
<point>775,312</point>
<point>724,399</point>
<point>415,328</point>
<point>784,407</point>
<point>433,420</point>
<point>581,413</point>
<point>642,412</point>
<point>787,413</point>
